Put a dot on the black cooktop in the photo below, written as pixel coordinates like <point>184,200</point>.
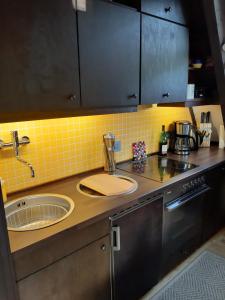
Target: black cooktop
<point>158,168</point>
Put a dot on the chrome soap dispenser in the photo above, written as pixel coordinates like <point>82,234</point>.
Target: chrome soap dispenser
<point>109,144</point>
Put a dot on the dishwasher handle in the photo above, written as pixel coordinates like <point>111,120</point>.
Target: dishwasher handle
<point>115,237</point>
<point>186,198</point>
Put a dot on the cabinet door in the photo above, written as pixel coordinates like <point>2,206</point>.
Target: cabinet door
<point>172,10</point>
<point>164,65</point>
<point>38,57</point>
<point>84,275</point>
<point>215,17</point>
<point>136,265</point>
<point>8,287</point>
<point>109,43</point>
<point>214,203</point>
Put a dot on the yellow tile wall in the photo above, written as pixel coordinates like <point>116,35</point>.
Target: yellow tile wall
<point>62,147</point>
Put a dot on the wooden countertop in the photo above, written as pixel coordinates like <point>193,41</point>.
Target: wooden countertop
<point>91,210</point>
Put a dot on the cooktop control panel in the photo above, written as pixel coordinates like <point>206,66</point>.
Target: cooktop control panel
<point>188,187</point>
<point>194,184</point>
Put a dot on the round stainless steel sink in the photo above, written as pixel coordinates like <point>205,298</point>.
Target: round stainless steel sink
<point>37,211</point>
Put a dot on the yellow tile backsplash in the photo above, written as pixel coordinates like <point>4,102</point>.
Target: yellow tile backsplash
<point>67,146</point>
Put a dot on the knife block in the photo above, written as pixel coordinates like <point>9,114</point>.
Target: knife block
<point>207,138</point>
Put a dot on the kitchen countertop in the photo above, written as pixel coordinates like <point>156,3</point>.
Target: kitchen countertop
<point>89,210</point>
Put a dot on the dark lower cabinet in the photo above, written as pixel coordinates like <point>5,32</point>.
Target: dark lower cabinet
<point>164,61</point>
<point>109,45</point>
<point>137,238</point>
<point>83,275</point>
<point>38,59</point>
<point>8,287</point>
<point>214,205</point>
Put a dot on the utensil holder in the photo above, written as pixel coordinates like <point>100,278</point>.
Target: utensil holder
<point>221,137</point>
<point>207,137</point>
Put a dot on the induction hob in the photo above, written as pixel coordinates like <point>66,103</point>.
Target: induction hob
<point>158,168</point>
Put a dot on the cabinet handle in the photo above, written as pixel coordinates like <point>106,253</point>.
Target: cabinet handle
<point>81,5</point>
<point>223,47</point>
<point>115,235</point>
<point>74,3</point>
<point>72,97</point>
<point>166,95</point>
<point>168,9</point>
<point>103,247</point>
<point>133,96</point>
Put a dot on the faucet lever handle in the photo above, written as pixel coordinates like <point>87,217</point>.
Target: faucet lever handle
<point>15,141</point>
<point>15,135</point>
<point>24,140</point>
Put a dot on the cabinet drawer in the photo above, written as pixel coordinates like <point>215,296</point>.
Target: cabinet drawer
<point>172,10</point>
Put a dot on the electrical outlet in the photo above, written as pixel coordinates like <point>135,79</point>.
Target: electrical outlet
<point>117,146</point>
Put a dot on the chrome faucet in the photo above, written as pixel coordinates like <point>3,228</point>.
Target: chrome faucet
<point>109,143</point>
<point>15,143</point>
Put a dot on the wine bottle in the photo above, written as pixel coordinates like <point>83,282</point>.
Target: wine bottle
<point>163,147</point>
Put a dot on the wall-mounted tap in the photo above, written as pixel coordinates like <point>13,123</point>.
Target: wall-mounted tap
<point>15,144</point>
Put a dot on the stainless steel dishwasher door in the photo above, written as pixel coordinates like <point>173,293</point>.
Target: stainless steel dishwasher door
<point>182,226</point>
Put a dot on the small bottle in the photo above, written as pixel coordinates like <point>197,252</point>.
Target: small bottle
<point>163,147</point>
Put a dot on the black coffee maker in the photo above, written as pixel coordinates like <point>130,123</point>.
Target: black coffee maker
<point>186,138</point>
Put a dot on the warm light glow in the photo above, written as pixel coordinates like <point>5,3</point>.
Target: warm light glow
<point>62,147</point>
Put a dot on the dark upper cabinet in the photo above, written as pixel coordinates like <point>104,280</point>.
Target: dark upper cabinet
<point>109,46</point>
<point>173,10</point>
<point>215,18</point>
<point>38,58</point>
<point>164,61</point>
